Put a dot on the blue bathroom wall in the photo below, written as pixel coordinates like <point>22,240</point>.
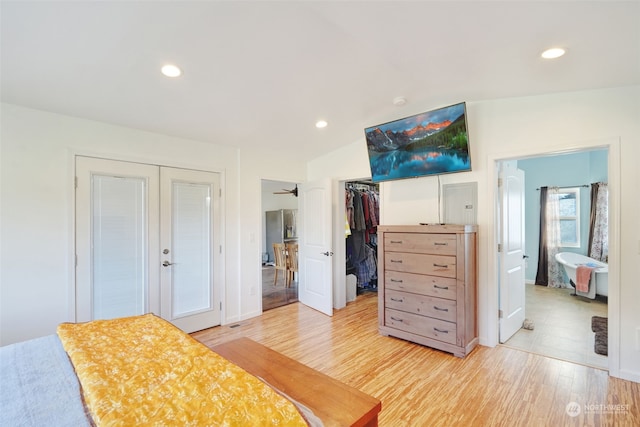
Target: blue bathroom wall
<point>566,170</point>
<point>599,166</point>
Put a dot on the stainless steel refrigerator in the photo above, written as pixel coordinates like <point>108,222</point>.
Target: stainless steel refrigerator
<point>281,228</point>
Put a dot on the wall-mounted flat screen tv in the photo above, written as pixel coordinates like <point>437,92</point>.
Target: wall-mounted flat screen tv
<point>431,143</point>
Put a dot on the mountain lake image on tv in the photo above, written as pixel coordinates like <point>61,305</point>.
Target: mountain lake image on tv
<point>430,143</point>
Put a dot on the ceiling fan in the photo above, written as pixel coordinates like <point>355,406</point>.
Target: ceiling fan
<point>293,191</point>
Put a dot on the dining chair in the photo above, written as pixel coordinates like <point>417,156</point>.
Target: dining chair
<point>292,261</point>
<point>279,253</point>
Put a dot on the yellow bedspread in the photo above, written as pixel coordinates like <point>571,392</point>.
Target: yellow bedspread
<point>143,371</point>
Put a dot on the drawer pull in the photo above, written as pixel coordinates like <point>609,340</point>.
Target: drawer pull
<point>399,261</point>
<point>446,288</point>
<point>397,299</point>
<point>395,280</point>
<point>441,331</point>
<point>440,309</point>
<point>396,241</point>
<point>396,319</point>
<point>440,244</point>
<point>441,265</point>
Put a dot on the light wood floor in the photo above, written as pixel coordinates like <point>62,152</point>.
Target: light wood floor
<point>419,386</point>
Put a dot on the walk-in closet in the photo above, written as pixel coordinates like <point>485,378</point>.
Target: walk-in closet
<point>362,212</point>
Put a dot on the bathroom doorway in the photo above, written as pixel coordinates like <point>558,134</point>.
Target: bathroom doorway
<point>558,324</point>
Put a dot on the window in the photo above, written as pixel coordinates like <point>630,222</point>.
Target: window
<point>569,200</point>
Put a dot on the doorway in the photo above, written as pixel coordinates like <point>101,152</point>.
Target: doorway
<point>279,226</point>
<point>345,284</point>
<point>147,240</point>
<point>558,324</point>
<point>362,210</point>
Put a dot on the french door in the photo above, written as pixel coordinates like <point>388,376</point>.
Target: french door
<point>147,240</point>
<point>189,205</point>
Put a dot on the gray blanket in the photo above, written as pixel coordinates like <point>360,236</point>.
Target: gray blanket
<point>39,386</point>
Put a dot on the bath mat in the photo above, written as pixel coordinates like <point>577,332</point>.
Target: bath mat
<point>599,324</point>
<point>600,346</point>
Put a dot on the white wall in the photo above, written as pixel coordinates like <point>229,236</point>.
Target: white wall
<point>254,167</point>
<point>518,127</point>
<point>36,200</point>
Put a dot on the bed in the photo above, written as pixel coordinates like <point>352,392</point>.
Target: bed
<point>143,371</point>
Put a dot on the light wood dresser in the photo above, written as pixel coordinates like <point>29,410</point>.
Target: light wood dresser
<point>427,291</point>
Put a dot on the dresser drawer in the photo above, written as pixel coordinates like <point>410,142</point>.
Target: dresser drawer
<point>436,265</point>
<point>421,325</point>
<point>438,308</point>
<point>428,278</point>
<point>441,287</point>
<point>439,244</point>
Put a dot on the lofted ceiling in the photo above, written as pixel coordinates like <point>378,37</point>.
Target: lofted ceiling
<point>261,73</point>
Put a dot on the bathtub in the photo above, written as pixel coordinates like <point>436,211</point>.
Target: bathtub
<point>600,276</point>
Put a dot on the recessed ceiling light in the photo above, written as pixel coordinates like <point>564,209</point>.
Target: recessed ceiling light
<point>171,70</point>
<point>553,53</point>
<point>321,124</point>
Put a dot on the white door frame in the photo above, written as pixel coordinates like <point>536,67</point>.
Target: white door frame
<point>339,239</point>
<point>339,246</point>
<point>73,154</point>
<point>491,242</point>
<point>286,184</point>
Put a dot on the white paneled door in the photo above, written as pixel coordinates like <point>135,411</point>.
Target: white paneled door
<point>147,241</point>
<point>315,288</point>
<point>512,255</point>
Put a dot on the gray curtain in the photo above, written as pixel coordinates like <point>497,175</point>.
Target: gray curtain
<point>599,222</point>
<point>542,277</point>
<point>549,271</point>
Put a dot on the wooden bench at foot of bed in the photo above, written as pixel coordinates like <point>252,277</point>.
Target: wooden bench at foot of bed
<point>335,403</point>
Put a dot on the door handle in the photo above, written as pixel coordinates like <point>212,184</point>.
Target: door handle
<point>167,263</point>
<point>327,253</point>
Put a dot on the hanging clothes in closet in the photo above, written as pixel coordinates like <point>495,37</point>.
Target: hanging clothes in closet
<point>362,204</point>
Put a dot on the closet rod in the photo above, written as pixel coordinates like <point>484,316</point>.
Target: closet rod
<point>568,186</point>
<point>362,182</point>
